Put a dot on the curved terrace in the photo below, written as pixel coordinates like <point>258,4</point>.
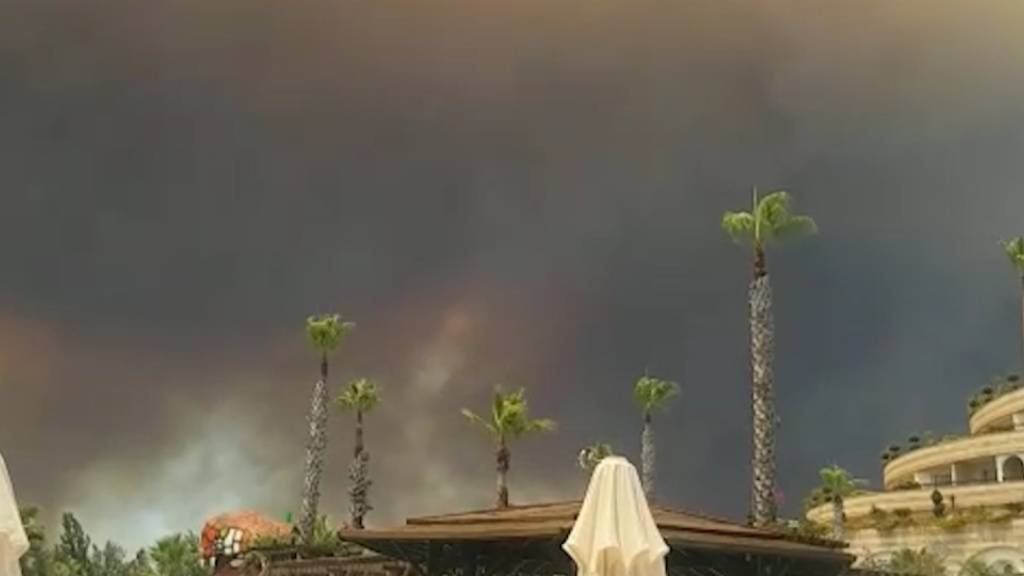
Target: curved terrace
<point>984,458</point>
<point>1002,413</point>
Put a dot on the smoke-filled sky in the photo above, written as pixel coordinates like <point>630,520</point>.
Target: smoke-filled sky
<point>516,192</point>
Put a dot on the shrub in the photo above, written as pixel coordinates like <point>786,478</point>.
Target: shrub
<point>998,386</point>
<point>1014,507</point>
<point>977,515</point>
<point>882,520</point>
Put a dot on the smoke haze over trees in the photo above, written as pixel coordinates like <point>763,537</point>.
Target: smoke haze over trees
<point>524,193</point>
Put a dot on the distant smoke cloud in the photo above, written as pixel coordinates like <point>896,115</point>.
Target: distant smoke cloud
<point>522,193</point>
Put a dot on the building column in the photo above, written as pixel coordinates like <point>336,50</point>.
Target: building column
<point>1018,421</point>
<point>954,476</point>
<point>1000,460</point>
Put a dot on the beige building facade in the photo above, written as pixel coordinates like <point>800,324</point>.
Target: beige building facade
<point>960,498</point>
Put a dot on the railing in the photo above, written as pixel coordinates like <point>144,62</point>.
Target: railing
<point>946,482</point>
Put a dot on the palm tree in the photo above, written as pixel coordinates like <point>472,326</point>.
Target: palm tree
<point>769,220</point>
<point>509,419</point>
<point>1015,252</point>
<point>177,555</point>
<point>651,394</point>
<point>326,332</point>
<point>361,396</point>
<point>836,485</point>
<point>592,455</point>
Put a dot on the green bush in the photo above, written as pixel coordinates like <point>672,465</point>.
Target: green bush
<point>997,387</point>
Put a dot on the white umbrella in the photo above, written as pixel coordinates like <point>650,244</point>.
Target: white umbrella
<point>615,534</point>
<point>13,542</point>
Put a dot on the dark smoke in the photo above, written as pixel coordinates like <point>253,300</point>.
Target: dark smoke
<point>498,192</point>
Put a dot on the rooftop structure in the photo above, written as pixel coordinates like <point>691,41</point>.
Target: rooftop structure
<point>528,539</point>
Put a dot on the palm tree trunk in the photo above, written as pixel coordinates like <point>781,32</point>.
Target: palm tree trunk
<point>1022,320</point>
<point>504,461</point>
<point>647,457</point>
<point>837,519</point>
<point>315,454</point>
<point>359,474</point>
<point>762,352</point>
<point>359,433</point>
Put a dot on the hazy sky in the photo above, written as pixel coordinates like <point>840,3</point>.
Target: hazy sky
<point>522,192</point>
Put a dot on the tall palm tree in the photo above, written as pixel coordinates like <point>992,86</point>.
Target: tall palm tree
<point>836,485</point>
<point>590,456</point>
<point>326,332</point>
<point>651,394</point>
<point>769,220</point>
<point>361,396</point>
<point>1015,252</point>
<point>509,419</point>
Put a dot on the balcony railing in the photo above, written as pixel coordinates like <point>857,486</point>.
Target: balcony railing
<point>946,481</point>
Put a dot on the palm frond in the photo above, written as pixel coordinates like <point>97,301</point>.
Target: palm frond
<point>738,225</point>
<point>510,416</point>
<point>651,393</point>
<point>776,221</point>
<point>592,455</point>
<point>1015,252</point>
<point>541,425</point>
<point>498,410</point>
<point>773,208</point>
<point>475,419</point>
<point>360,395</point>
<point>795,227</point>
<point>327,331</point>
<point>836,481</point>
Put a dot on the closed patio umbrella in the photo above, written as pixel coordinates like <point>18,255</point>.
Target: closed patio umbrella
<point>615,534</point>
<point>13,542</point>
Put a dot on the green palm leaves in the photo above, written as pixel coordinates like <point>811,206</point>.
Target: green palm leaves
<point>509,418</point>
<point>838,483</point>
<point>591,456</point>
<point>770,219</point>
<point>360,396</point>
<point>1014,249</point>
<point>652,393</point>
<point>327,331</point>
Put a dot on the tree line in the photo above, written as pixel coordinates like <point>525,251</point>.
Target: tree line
<point>74,553</point>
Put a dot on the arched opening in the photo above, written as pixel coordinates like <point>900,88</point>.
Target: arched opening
<point>999,560</point>
<point>1013,469</point>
